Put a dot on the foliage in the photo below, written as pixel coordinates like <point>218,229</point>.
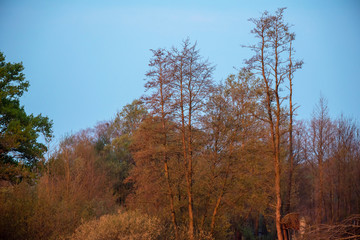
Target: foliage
<point>16,209</point>
<point>112,143</point>
<point>191,160</point>
<point>16,173</point>
<point>123,225</point>
<point>74,187</point>
<point>19,131</point>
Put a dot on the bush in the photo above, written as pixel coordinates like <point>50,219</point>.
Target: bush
<point>124,225</point>
<point>16,208</point>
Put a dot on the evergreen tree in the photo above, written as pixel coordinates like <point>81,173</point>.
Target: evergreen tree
<point>19,132</point>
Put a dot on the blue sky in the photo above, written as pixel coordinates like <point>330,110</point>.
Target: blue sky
<point>86,59</point>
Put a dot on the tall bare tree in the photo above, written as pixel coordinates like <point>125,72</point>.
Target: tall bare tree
<point>272,64</point>
<point>192,79</point>
<point>292,67</point>
<point>159,102</point>
<point>321,137</point>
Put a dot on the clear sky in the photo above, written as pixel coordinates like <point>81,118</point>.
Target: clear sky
<point>86,59</point>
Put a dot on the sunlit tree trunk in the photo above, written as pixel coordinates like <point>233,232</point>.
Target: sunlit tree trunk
<point>166,167</point>
<point>291,156</point>
<point>218,201</point>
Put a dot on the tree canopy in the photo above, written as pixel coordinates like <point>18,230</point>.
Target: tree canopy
<point>191,159</point>
<point>19,131</point>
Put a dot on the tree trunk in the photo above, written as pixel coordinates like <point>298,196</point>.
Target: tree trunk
<point>187,164</point>
<point>190,172</point>
<point>212,226</point>
<point>165,159</point>
<point>320,208</point>
<point>171,195</point>
<point>291,157</point>
<point>275,138</point>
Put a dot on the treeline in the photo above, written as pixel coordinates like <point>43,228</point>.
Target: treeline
<point>193,158</point>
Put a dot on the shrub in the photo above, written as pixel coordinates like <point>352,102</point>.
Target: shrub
<point>16,207</point>
<point>121,226</point>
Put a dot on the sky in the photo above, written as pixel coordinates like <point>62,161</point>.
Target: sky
<point>85,60</point>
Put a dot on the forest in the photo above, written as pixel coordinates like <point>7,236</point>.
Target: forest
<point>192,158</point>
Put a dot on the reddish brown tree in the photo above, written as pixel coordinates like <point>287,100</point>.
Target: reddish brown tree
<point>159,102</point>
<point>272,64</point>
<point>292,67</point>
<point>321,138</point>
<point>192,79</point>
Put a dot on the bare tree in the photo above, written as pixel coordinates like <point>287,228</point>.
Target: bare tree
<point>292,67</point>
<point>160,103</point>
<point>321,137</point>
<point>272,64</point>
<point>341,175</point>
<point>192,79</point>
